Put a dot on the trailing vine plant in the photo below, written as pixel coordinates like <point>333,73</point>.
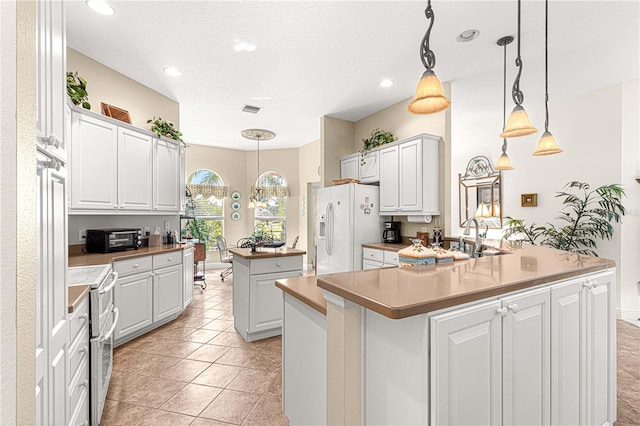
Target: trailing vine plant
<point>378,137</point>
<point>77,90</point>
<point>164,128</point>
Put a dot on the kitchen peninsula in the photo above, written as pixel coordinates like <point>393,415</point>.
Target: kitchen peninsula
<point>525,337</point>
<point>257,302</point>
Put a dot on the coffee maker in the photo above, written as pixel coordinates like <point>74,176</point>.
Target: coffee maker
<point>391,233</point>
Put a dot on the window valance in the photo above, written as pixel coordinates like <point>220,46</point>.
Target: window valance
<point>206,191</point>
<point>272,191</point>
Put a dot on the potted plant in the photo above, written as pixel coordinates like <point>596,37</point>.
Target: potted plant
<point>164,128</point>
<point>378,137</point>
<point>586,216</point>
<point>77,90</point>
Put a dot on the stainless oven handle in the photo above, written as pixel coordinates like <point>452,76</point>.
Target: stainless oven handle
<point>113,327</point>
<point>110,286</point>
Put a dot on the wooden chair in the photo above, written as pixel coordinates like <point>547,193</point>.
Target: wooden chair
<point>200,255</point>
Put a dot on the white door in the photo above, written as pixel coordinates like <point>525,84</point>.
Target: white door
<point>265,301</point>
<point>167,292</point>
<point>369,167</point>
<point>94,163</point>
<point>135,170</point>
<point>410,175</point>
<point>466,366</point>
<point>187,268</point>
<point>133,296</point>
<point>349,167</point>
<point>166,172</point>
<point>526,358</point>
<point>389,179</point>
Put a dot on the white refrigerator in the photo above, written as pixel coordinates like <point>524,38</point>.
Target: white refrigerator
<point>348,216</point>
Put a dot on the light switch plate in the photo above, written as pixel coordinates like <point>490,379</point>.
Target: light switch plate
<point>82,235</point>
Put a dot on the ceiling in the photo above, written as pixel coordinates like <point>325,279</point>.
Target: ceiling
<point>315,58</point>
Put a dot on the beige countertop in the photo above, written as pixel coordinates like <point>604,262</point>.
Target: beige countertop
<point>386,246</point>
<point>407,291</point>
<point>76,294</point>
<point>306,290</point>
<point>266,253</point>
<point>88,259</point>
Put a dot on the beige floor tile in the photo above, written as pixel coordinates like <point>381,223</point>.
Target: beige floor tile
<point>275,387</point>
<point>185,370</point>
<point>227,338</point>
<point>267,412</point>
<point>239,357</point>
<point>206,422</point>
<point>220,325</point>
<point>213,313</point>
<point>230,406</point>
<point>197,322</point>
<point>192,311</point>
<point>177,332</point>
<point>201,336</point>
<point>191,399</point>
<point>208,353</point>
<point>217,375</point>
<point>254,381</point>
<point>164,418</point>
<point>155,392</point>
<point>122,413</point>
<point>171,347</point>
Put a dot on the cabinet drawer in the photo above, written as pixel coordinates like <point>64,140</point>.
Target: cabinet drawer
<point>276,264</point>
<point>80,413</point>
<point>79,385</point>
<point>372,254</point>
<point>79,318</point>
<point>167,259</point>
<point>78,352</point>
<point>133,266</point>
<point>391,257</point>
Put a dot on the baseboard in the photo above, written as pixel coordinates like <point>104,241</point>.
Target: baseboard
<point>308,267</point>
<point>627,314</point>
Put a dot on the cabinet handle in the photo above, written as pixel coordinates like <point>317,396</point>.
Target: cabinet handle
<point>590,284</point>
<point>169,259</point>
<point>135,265</point>
<point>502,311</point>
<point>51,140</point>
<point>513,308</point>
<point>84,384</point>
<point>278,264</point>
<point>83,317</point>
<point>83,350</point>
<point>50,164</point>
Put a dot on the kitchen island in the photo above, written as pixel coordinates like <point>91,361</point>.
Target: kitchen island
<point>525,337</point>
<point>257,302</point>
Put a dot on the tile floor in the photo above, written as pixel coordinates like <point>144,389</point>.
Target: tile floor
<point>628,351</point>
<point>197,371</point>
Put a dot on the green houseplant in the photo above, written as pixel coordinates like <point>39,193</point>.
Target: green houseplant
<point>77,90</point>
<point>164,128</point>
<point>585,217</point>
<point>378,137</point>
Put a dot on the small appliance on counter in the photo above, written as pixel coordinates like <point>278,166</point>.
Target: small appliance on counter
<point>391,233</point>
<point>113,239</point>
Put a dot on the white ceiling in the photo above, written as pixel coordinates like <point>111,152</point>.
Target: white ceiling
<point>316,58</point>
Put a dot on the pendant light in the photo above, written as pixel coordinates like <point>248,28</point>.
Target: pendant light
<point>429,97</point>
<point>518,123</point>
<point>257,199</point>
<point>547,144</point>
<point>504,163</point>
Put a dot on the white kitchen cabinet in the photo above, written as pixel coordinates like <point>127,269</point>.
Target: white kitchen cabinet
<point>410,178</point>
<point>371,264</point>
<point>266,314</point>
<point>135,170</point>
<point>167,292</point>
<point>133,296</point>
<point>377,258</point>
<point>187,268</point>
<point>78,364</point>
<point>389,179</point>
<point>369,167</point>
<point>181,185</point>
<point>349,167</point>
<point>166,176</point>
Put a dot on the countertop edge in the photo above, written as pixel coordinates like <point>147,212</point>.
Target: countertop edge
<point>245,253</point>
<point>302,298</point>
<point>90,259</point>
<point>76,293</point>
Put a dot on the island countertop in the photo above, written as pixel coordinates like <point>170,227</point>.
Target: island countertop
<point>406,291</point>
<point>266,253</point>
<point>306,290</point>
<point>89,259</point>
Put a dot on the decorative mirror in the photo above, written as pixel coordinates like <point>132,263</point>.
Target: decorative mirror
<point>480,192</point>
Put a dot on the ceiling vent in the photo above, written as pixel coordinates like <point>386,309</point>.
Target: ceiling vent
<point>251,109</point>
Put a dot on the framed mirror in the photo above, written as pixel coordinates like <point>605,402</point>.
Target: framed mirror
<point>480,193</point>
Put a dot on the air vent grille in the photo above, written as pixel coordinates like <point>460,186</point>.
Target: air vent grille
<point>251,109</point>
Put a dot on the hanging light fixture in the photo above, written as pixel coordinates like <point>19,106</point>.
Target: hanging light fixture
<point>518,123</point>
<point>429,97</point>
<point>256,199</point>
<point>547,144</point>
<point>504,163</point>
<point>483,211</point>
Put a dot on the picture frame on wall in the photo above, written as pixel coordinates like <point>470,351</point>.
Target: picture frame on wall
<point>529,200</point>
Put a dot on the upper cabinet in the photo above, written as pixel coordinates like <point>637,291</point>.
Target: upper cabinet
<point>51,78</point>
<point>120,169</point>
<point>349,167</point>
<point>365,168</point>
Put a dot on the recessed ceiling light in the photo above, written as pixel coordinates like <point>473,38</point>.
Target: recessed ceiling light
<point>386,83</point>
<point>174,72</point>
<point>257,98</point>
<point>101,7</point>
<point>243,46</point>
<point>467,35</point>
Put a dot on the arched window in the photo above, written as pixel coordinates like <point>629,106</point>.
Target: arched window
<point>272,220</point>
<point>208,192</point>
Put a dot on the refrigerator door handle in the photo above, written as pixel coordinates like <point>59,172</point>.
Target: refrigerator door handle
<point>329,219</point>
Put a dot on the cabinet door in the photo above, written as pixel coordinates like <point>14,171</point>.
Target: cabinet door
<point>466,366</point>
<point>371,264</point>
<point>567,353</point>
<point>265,307</point>
<point>182,183</point>
<point>135,170</point>
<point>166,176</point>
<point>167,292</point>
<point>187,268</point>
<point>389,179</point>
<point>410,175</point>
<point>349,167</point>
<point>133,296</point>
<point>526,357</point>
<point>94,163</point>
<point>369,167</point>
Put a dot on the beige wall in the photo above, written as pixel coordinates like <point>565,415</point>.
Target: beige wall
<point>109,86</point>
<point>336,138</point>
<point>309,164</point>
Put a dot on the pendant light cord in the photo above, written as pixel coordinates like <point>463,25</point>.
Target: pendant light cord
<point>516,93</point>
<point>546,66</point>
<point>504,98</point>
<point>427,56</point>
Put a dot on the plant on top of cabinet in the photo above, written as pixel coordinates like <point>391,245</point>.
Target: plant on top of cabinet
<point>164,128</point>
<point>587,214</point>
<point>378,138</point>
<point>77,90</point>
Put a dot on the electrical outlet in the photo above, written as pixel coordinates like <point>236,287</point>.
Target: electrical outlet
<point>146,230</point>
<point>166,225</point>
<point>82,235</point>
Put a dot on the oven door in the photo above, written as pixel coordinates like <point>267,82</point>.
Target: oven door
<point>102,303</point>
<point>102,365</point>
<point>122,240</point>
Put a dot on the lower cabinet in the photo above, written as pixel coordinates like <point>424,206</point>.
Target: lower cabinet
<point>187,269</point>
<point>167,292</point>
<point>377,258</point>
<point>133,297</point>
<point>78,365</point>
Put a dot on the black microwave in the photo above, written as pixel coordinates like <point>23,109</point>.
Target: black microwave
<point>114,239</point>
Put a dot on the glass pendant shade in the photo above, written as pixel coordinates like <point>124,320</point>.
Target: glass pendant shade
<point>547,145</point>
<point>518,124</point>
<point>503,163</point>
<point>429,97</point>
<point>251,205</point>
<point>483,210</point>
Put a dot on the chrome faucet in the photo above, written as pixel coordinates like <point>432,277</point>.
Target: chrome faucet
<point>478,237</point>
